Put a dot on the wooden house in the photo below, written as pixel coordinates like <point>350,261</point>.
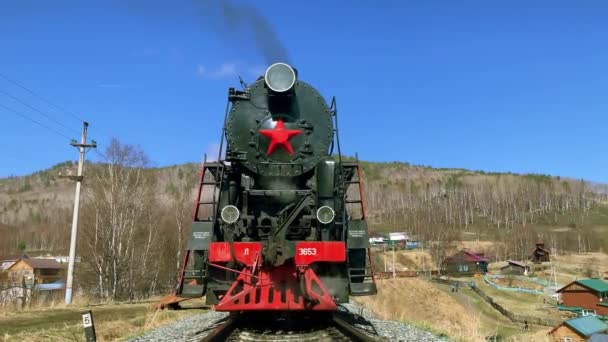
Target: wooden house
<point>39,271</point>
<point>540,253</point>
<point>515,268</point>
<point>589,294</point>
<point>578,329</point>
<point>466,262</point>
<point>7,261</point>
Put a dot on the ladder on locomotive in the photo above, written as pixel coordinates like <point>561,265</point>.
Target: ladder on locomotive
<point>357,275</point>
<point>205,210</point>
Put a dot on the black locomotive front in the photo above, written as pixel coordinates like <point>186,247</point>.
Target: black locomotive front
<point>272,225</point>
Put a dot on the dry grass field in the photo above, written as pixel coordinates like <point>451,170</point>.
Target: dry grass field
<point>112,321</point>
<point>418,302</point>
<point>403,260</point>
<point>576,266</point>
<point>463,315</point>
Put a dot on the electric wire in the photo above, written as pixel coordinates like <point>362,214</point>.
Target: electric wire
<point>47,101</point>
<point>62,109</point>
<point>37,110</point>
<point>52,104</point>
<point>34,121</point>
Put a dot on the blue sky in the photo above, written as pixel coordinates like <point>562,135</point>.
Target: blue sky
<point>493,85</point>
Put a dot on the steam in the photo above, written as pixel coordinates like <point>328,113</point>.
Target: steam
<point>241,25</point>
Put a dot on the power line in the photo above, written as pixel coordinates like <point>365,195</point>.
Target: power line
<point>37,110</point>
<point>52,104</point>
<point>35,121</point>
<point>65,111</point>
<point>49,102</point>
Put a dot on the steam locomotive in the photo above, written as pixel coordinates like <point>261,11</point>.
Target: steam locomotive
<point>275,226</point>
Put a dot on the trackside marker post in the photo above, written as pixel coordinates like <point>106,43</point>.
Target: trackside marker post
<point>89,326</point>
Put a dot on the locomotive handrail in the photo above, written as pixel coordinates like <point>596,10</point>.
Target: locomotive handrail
<point>334,110</point>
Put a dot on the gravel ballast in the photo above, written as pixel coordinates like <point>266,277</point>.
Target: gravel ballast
<point>391,330</point>
<point>188,329</point>
<point>195,327</point>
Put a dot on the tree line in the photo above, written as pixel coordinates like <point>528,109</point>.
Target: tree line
<point>514,210</point>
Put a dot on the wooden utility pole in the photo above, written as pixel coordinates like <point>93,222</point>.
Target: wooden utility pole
<point>78,178</point>
<point>384,253</point>
<point>394,276</point>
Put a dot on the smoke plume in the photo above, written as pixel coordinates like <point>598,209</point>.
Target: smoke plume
<point>240,25</point>
<point>243,26</point>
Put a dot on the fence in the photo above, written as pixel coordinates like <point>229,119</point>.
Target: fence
<point>512,289</point>
<point>510,315</point>
<point>549,322</point>
<point>405,274</point>
<point>15,294</point>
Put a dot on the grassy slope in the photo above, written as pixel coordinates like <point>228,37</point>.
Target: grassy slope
<point>463,316</point>
<point>112,321</point>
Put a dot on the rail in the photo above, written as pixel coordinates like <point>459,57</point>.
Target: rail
<point>222,332</point>
<point>322,328</point>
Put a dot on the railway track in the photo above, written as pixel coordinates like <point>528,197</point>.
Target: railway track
<point>245,328</point>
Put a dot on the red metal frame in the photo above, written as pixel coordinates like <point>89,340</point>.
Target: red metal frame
<point>293,287</point>
<point>277,289</point>
<point>361,191</point>
<point>182,271</point>
<point>198,193</point>
<point>371,265</point>
<point>369,254</point>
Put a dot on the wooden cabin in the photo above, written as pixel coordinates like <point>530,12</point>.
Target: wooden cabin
<point>540,253</point>
<point>515,268</point>
<point>466,262</point>
<point>578,329</point>
<point>39,271</point>
<point>589,294</point>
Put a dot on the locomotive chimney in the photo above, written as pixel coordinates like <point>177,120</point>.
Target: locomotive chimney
<point>280,78</point>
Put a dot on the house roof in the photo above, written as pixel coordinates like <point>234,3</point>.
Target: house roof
<point>541,250</point>
<point>595,284</point>
<point>587,325</point>
<point>13,257</point>
<point>41,263</point>
<point>467,256</point>
<point>516,263</point>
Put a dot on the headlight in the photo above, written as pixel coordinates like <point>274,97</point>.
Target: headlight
<point>230,214</point>
<point>325,214</point>
<point>280,77</point>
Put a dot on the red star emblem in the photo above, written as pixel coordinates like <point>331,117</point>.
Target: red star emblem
<point>279,136</point>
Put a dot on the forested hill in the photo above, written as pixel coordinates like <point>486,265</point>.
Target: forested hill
<point>36,209</point>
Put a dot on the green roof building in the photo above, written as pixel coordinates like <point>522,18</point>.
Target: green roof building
<point>579,329</point>
<point>589,294</point>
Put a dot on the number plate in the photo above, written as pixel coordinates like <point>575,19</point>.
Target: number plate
<point>86,320</point>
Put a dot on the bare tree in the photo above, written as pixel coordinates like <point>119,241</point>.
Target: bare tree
<point>120,228</point>
<point>181,195</point>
